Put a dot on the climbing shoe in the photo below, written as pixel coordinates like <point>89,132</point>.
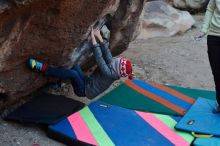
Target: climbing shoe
<point>36,65</point>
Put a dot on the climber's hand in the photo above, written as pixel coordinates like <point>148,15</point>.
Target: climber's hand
<point>93,37</point>
<point>199,36</point>
<point>98,34</point>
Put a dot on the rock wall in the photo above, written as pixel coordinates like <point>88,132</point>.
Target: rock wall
<point>53,31</point>
<point>190,5</point>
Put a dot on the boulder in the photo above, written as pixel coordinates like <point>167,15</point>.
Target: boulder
<point>161,19</point>
<point>191,5</point>
<point>56,32</point>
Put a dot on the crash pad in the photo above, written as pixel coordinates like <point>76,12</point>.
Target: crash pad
<point>105,124</point>
<point>200,118</point>
<point>152,97</point>
<point>194,93</point>
<point>45,108</point>
<point>213,141</point>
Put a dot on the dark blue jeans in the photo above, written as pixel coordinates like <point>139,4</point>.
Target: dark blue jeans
<point>75,74</point>
<point>214,59</point>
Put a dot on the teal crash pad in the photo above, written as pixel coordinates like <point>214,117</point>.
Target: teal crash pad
<point>201,119</point>
<point>213,141</point>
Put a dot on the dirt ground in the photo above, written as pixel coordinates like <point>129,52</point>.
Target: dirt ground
<point>177,60</point>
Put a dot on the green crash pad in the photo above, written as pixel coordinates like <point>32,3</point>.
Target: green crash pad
<point>194,93</point>
<point>128,97</point>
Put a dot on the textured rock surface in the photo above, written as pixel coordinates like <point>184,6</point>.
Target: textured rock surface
<point>51,31</point>
<point>191,5</point>
<point>160,19</point>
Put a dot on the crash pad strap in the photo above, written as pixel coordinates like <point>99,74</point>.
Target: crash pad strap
<point>166,103</point>
<point>201,135</point>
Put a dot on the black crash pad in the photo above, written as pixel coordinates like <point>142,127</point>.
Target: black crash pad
<point>45,108</point>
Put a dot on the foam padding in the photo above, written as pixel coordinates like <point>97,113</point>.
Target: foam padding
<point>156,98</point>
<point>104,124</point>
<point>213,141</point>
<point>152,97</point>
<point>195,93</point>
<point>45,108</point>
<point>201,119</point>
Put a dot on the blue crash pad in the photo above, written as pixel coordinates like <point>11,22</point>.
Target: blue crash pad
<point>213,141</point>
<point>103,124</point>
<point>201,119</point>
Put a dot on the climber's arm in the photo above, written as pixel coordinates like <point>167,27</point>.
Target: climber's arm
<point>104,47</point>
<point>106,52</point>
<point>104,68</point>
<point>208,16</point>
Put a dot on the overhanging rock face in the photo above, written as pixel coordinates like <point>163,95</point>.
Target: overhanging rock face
<point>52,31</point>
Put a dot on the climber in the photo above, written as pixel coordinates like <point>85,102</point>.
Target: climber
<point>109,69</point>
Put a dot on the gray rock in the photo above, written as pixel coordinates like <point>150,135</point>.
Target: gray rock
<point>190,4</point>
<point>161,19</point>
